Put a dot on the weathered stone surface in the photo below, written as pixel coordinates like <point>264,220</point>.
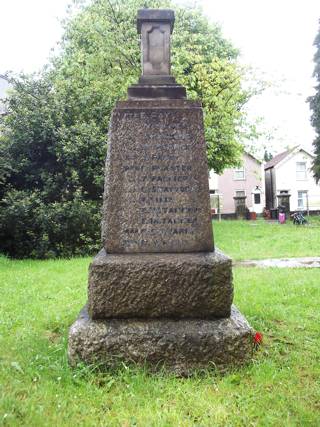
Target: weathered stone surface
<point>158,292</point>
<point>157,91</point>
<point>156,191</point>
<point>155,43</point>
<point>195,285</point>
<point>157,80</point>
<point>181,345</point>
<point>155,16</point>
<point>155,27</point>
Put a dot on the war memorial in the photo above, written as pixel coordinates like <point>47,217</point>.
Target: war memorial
<point>159,292</point>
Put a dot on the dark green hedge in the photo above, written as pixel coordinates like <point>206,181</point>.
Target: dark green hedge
<point>31,228</point>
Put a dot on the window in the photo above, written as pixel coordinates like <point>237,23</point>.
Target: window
<point>301,171</point>
<point>239,174</point>
<point>302,199</point>
<point>240,202</point>
<point>257,198</point>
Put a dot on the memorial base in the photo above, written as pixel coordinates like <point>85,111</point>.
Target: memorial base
<point>192,285</point>
<point>181,346</point>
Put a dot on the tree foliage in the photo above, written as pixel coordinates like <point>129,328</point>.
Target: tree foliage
<point>101,58</point>
<point>53,142</point>
<point>315,108</point>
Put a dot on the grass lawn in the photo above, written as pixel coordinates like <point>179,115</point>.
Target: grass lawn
<point>261,239</point>
<point>281,387</point>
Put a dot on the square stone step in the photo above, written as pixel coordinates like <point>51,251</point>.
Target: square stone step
<point>186,285</point>
<point>179,345</point>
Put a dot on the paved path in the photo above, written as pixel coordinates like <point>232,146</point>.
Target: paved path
<point>306,262</point>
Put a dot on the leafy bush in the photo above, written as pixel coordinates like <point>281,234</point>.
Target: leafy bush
<point>32,228</point>
<point>53,142</point>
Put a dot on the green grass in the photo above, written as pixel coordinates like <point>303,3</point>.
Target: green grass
<point>41,299</point>
<point>261,239</point>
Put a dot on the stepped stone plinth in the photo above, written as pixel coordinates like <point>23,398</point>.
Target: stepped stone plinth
<point>159,292</point>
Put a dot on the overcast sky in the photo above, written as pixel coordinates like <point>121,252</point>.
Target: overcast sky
<point>274,36</point>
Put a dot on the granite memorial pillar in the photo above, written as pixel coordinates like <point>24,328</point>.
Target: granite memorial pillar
<point>159,292</point>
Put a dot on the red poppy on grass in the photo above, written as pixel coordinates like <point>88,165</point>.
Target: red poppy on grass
<point>258,337</point>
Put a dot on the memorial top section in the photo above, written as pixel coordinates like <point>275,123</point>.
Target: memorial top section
<point>156,81</point>
<point>155,26</point>
<point>155,16</point>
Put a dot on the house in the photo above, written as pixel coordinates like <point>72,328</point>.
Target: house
<point>241,187</point>
<point>288,177</point>
<point>4,86</point>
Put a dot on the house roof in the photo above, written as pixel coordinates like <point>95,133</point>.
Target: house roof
<point>278,158</point>
<point>252,156</point>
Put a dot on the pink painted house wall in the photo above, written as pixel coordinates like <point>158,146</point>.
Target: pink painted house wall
<point>252,182</point>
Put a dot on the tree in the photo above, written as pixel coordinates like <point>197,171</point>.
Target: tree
<point>101,58</point>
<point>50,178</point>
<point>314,102</point>
<point>53,142</point>
<point>267,156</point>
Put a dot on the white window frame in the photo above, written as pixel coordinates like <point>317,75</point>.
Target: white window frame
<point>242,191</point>
<point>242,170</point>
<point>302,207</point>
<point>301,173</point>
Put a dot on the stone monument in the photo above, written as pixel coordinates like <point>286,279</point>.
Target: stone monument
<point>159,293</point>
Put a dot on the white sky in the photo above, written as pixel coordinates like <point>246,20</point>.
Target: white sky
<point>274,36</point>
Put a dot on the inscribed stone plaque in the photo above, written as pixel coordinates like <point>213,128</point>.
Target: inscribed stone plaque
<point>156,49</point>
<point>156,191</point>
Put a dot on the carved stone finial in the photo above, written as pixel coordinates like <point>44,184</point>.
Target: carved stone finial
<point>155,27</point>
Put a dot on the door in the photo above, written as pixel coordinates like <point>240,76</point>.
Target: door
<point>257,201</point>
